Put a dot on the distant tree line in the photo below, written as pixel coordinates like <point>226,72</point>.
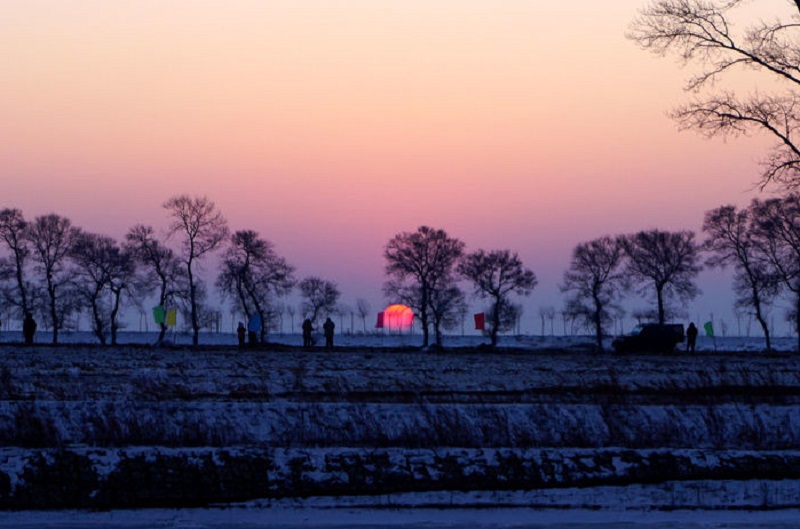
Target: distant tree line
<point>54,269</point>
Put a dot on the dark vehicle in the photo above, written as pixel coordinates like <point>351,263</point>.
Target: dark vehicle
<point>650,337</point>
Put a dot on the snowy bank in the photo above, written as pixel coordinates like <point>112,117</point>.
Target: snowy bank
<point>134,426</point>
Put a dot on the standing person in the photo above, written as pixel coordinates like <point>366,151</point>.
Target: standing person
<point>328,327</point>
<point>240,333</point>
<point>691,337</point>
<point>28,328</point>
<point>307,328</point>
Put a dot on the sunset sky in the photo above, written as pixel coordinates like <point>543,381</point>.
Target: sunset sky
<point>331,126</point>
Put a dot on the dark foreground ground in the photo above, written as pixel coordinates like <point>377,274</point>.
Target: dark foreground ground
<point>131,427</point>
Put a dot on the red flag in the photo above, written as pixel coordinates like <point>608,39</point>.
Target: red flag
<point>479,321</point>
<point>379,324</point>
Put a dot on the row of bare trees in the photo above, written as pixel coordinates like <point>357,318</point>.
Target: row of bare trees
<point>761,243</point>
<point>660,262</point>
<point>55,269</point>
<point>425,266</point>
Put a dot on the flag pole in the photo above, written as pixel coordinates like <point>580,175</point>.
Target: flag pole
<point>709,327</point>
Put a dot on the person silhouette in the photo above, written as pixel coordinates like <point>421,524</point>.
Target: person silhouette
<point>307,328</point>
<point>328,327</point>
<point>240,334</point>
<point>28,328</point>
<point>691,337</point>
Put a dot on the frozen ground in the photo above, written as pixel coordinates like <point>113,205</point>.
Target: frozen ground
<point>537,394</point>
<point>390,339</point>
<point>499,518</point>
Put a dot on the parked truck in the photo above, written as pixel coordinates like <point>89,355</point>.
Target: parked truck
<point>650,337</point>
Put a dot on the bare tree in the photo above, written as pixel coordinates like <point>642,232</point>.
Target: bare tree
<point>319,295</point>
<point>52,237</point>
<point>341,310</point>
<point>291,312</point>
<point>104,271</point>
<point>418,264</point>
<point>777,230</point>
<point>363,309</point>
<point>253,273</point>
<point>665,261</point>
<point>704,32</point>
<point>496,275</point>
<point>545,314</point>
<point>446,302</point>
<point>12,233</point>
<point>161,269</point>
<point>732,239</point>
<point>203,229</point>
<point>595,280</point>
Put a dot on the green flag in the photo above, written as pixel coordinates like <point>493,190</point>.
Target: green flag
<point>159,313</point>
<point>709,329</point>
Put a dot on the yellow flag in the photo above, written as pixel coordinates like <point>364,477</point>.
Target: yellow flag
<point>172,317</point>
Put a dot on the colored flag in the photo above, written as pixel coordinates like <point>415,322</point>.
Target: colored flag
<point>480,321</point>
<point>379,323</point>
<point>709,329</point>
<point>172,318</point>
<point>254,325</point>
<point>158,314</point>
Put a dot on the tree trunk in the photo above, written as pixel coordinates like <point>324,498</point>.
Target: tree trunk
<point>98,321</point>
<point>761,320</point>
<point>193,304</point>
<point>423,315</point>
<point>660,296</point>
<point>114,313</point>
<point>51,290</point>
<point>162,300</point>
<point>262,338</point>
<point>495,322</point>
<point>598,321</point>
<point>21,285</point>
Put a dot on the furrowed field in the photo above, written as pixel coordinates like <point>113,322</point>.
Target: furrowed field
<point>136,426</point>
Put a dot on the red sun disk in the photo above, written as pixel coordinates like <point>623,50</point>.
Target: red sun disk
<point>398,317</point>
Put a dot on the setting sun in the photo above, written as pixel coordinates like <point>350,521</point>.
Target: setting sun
<point>398,317</point>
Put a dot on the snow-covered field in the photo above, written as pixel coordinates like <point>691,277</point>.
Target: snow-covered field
<point>402,340</point>
<point>540,433</point>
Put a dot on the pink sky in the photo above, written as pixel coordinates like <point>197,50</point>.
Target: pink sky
<point>329,128</point>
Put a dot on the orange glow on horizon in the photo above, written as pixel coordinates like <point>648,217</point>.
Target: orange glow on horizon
<point>398,317</point>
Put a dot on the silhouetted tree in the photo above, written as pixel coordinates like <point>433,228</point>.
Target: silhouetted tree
<point>160,268</point>
<point>665,261</point>
<point>545,314</point>
<point>363,309</point>
<point>103,271</point>
<point>595,280</point>
<point>203,229</point>
<point>732,240</point>
<point>418,264</point>
<point>341,310</point>
<point>447,301</point>
<point>253,273</point>
<point>12,232</point>
<point>319,295</point>
<point>704,32</point>
<point>290,311</point>
<point>496,275</point>
<point>52,237</point>
<point>777,233</point>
